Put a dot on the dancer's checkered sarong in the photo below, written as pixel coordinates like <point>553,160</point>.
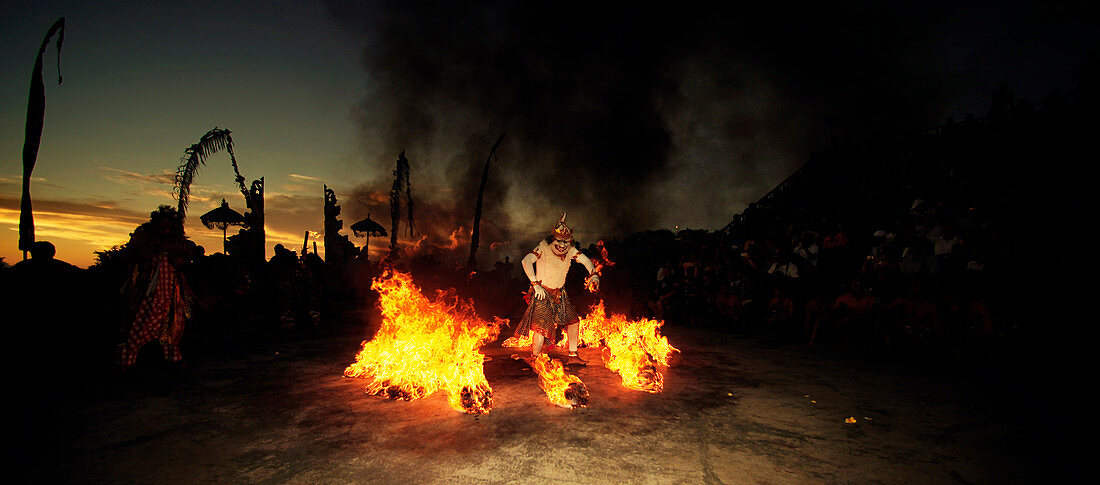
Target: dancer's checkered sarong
<point>161,316</point>
<point>546,315</point>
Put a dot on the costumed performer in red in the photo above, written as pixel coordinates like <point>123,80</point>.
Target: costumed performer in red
<point>547,266</point>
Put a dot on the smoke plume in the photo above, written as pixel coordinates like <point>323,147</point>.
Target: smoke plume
<point>636,117</point>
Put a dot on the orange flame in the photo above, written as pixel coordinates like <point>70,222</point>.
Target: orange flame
<point>458,238</point>
<point>517,341</point>
<point>599,264</point>
<point>635,349</point>
<point>426,345</point>
<point>563,389</point>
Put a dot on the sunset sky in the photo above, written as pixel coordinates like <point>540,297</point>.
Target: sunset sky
<point>145,81</point>
<point>630,120</point>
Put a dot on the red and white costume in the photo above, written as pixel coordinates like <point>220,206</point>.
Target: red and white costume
<point>547,266</point>
<point>160,314</point>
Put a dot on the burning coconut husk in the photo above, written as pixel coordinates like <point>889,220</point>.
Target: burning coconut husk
<point>635,349</point>
<point>563,389</point>
<point>426,345</point>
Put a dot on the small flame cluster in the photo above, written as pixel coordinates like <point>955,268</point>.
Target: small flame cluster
<point>599,264</point>
<point>563,389</point>
<point>426,345</point>
<point>516,342</point>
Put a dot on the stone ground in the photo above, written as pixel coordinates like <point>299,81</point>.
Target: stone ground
<point>734,410</point>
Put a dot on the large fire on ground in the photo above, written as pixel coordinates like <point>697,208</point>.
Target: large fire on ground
<point>635,349</point>
<point>426,345</point>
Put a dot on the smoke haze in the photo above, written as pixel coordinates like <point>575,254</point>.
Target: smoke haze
<point>635,118</point>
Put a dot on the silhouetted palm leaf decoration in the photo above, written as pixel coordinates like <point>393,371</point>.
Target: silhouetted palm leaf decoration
<point>36,119</point>
<point>196,155</point>
<point>401,183</point>
<point>475,235</point>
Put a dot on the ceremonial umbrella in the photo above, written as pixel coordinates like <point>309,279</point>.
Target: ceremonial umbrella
<point>221,218</point>
<point>367,227</point>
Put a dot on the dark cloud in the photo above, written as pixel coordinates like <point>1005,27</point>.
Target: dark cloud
<point>129,177</point>
<point>100,209</point>
<point>639,116</point>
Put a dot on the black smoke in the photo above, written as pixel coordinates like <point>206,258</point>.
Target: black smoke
<point>636,116</point>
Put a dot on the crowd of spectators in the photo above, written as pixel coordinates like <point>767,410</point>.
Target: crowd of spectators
<point>933,244</point>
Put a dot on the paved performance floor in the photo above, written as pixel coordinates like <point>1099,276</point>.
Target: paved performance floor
<point>734,410</point>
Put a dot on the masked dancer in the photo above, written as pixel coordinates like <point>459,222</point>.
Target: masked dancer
<point>549,308</point>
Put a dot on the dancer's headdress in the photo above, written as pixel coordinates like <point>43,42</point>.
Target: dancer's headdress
<point>562,231</point>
